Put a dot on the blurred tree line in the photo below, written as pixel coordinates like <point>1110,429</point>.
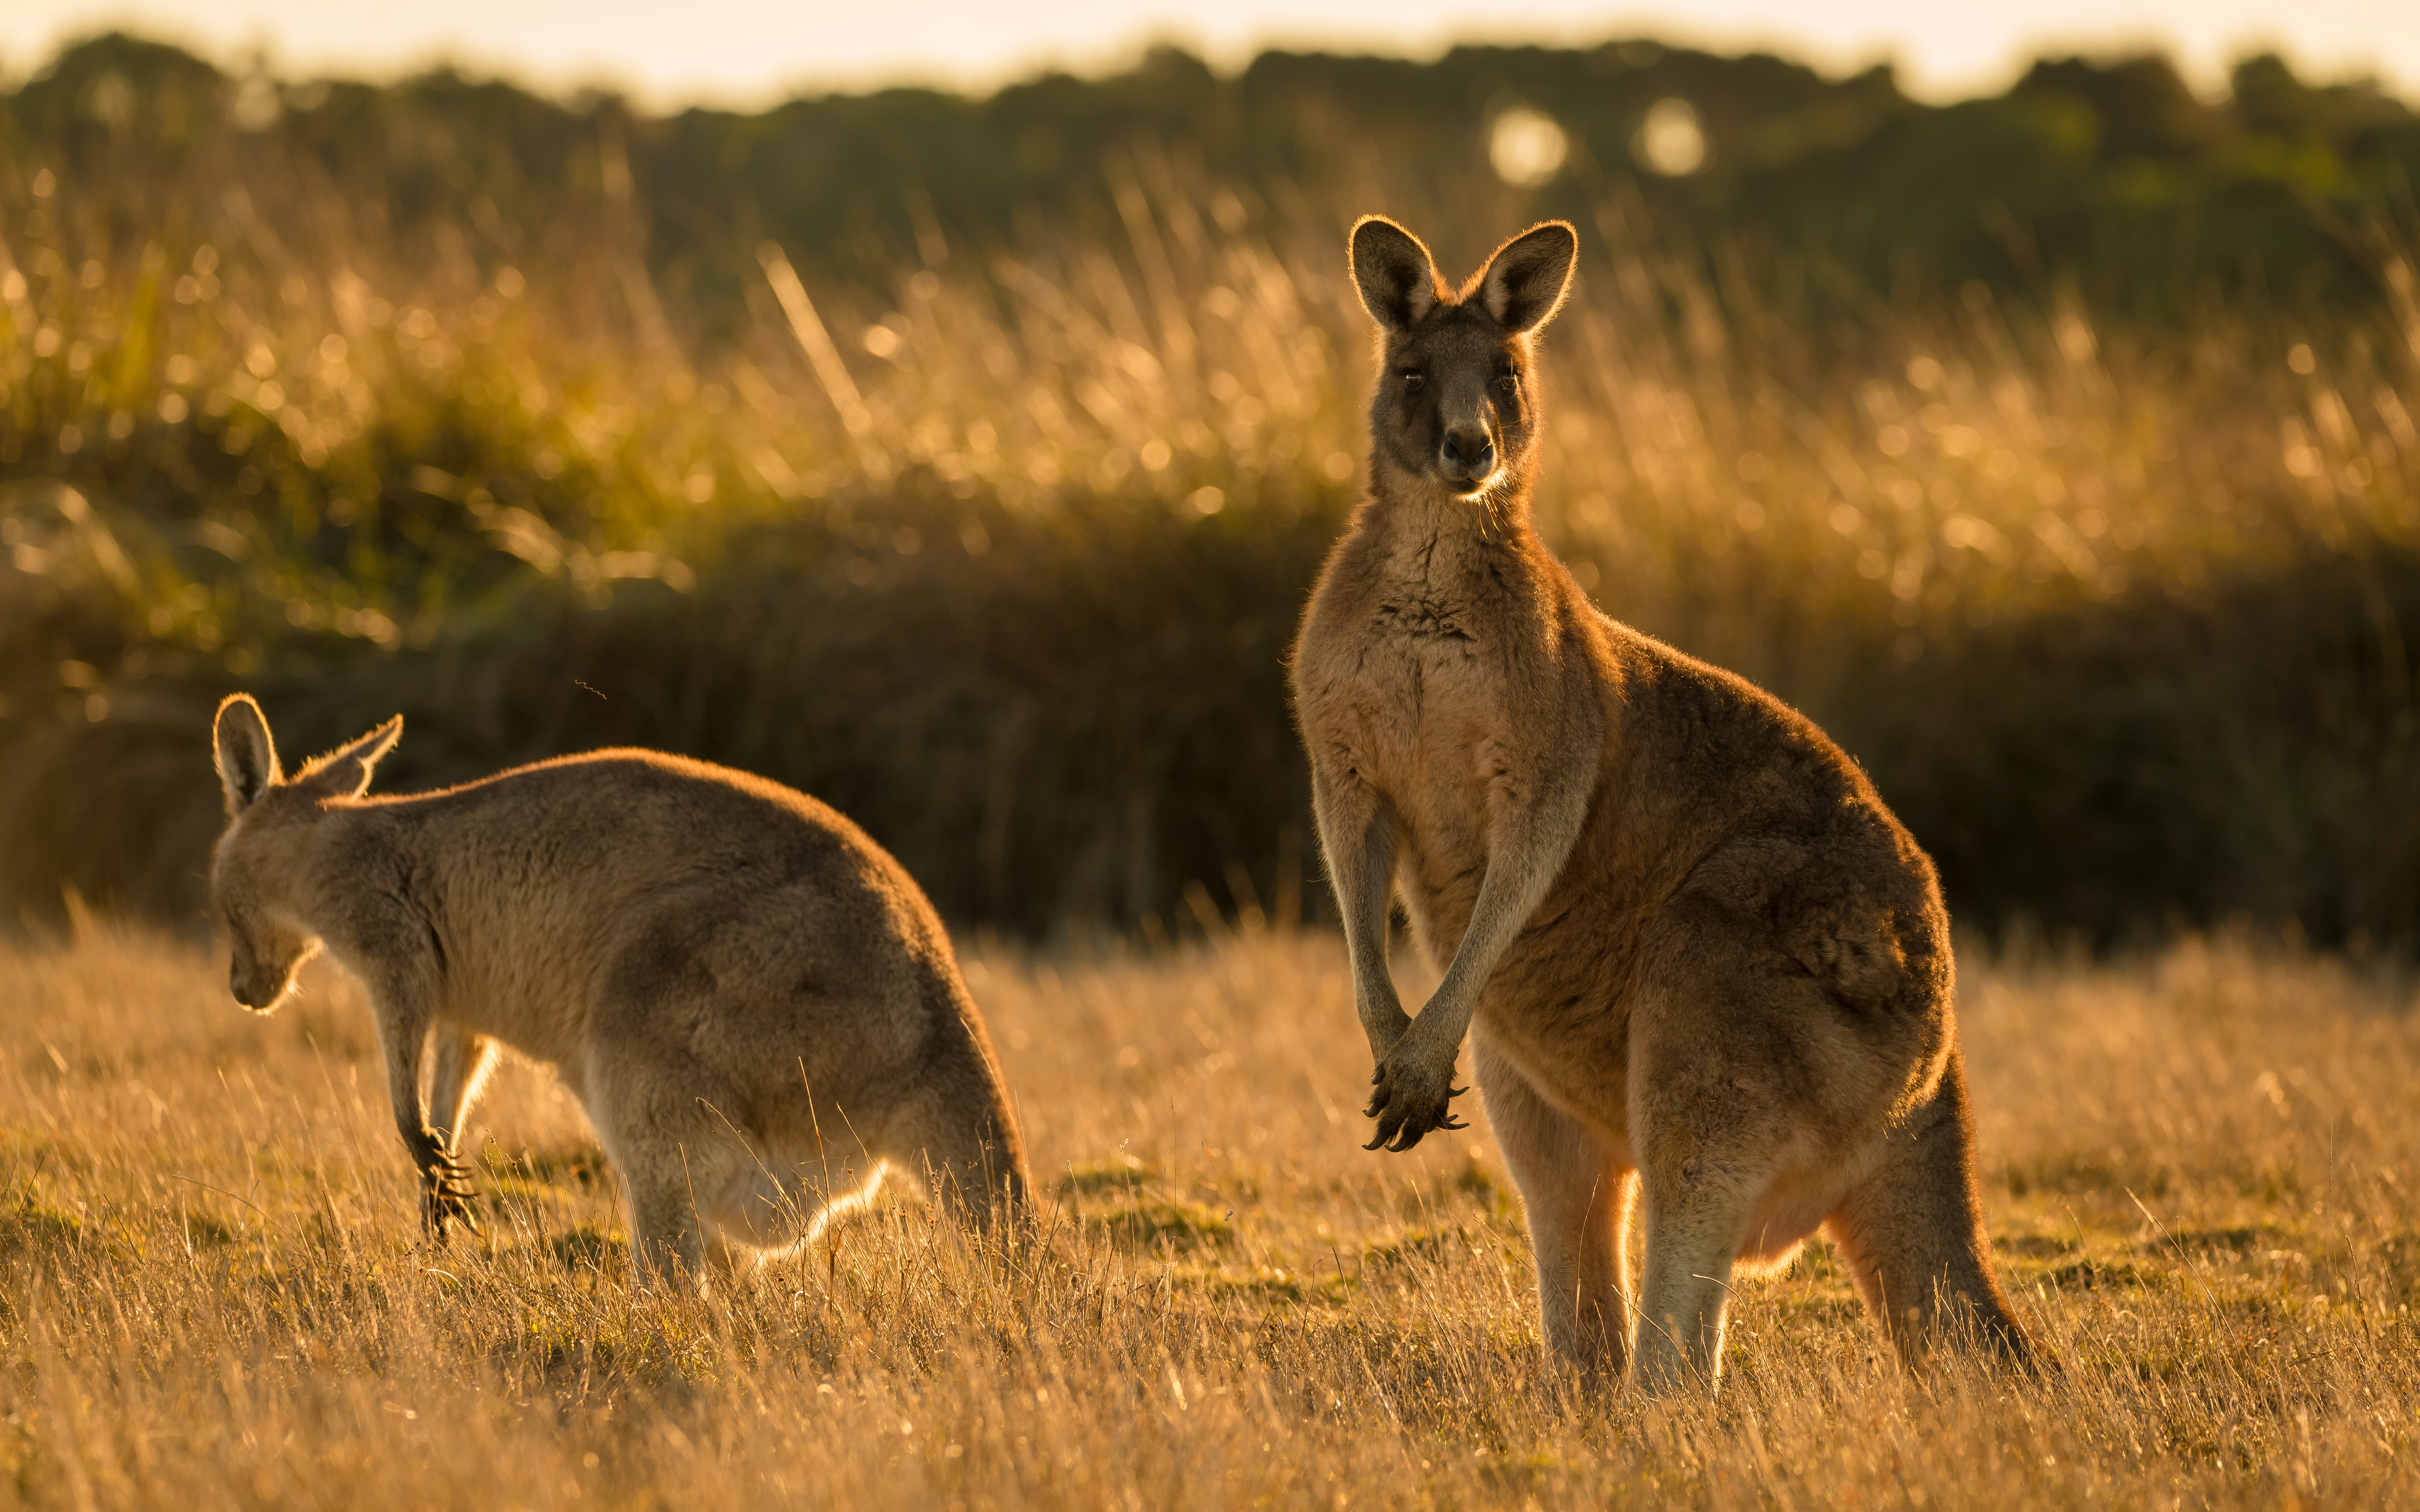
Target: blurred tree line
<point>2111,172</point>
<point>2056,450</point>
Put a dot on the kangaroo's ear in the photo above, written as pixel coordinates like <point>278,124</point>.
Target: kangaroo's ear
<point>1526,281</point>
<point>344,772</point>
<point>1397,277</point>
<point>245,756</point>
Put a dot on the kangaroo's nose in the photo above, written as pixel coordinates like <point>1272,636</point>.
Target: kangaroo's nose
<point>1468,453</point>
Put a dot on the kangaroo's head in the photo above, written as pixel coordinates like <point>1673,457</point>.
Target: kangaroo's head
<point>258,878</point>
<point>1457,404</point>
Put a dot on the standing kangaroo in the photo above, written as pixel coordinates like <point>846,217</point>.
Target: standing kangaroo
<point>747,994</point>
<point>1700,962</point>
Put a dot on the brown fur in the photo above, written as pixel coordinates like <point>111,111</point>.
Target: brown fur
<point>1700,964</point>
<point>753,1002</point>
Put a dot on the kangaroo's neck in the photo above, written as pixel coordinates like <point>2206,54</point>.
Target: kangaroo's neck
<point>352,870</point>
<point>1410,514</point>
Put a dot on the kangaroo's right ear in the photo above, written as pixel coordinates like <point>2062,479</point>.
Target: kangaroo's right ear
<point>1397,277</point>
<point>245,756</point>
<point>344,772</point>
<point>1525,280</point>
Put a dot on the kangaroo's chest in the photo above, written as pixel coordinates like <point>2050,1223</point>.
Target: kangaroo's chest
<point>1418,678</point>
<point>1410,687</point>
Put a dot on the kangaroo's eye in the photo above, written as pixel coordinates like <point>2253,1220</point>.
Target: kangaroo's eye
<point>1509,382</point>
<point>1413,380</point>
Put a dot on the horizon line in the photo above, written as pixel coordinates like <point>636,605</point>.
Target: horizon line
<point>574,85</point>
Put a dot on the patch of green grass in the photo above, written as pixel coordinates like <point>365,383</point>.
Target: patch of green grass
<point>1154,1223</point>
<point>2243,1239</point>
<point>2036,1246</point>
<point>2104,1275</point>
<point>1120,1173</point>
<point>28,1227</point>
<point>588,1247</point>
<point>1274,1284</point>
<point>580,1165</point>
<point>1478,1181</point>
<point>203,1230</point>
<point>2084,1172</point>
<point>1427,1246</point>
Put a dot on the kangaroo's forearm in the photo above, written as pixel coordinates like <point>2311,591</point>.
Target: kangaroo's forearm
<point>1526,850</point>
<point>1357,834</point>
<point>401,1000</point>
<point>404,1020</point>
<point>404,1038</point>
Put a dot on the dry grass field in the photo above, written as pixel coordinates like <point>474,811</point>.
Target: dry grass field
<point>2202,1167</point>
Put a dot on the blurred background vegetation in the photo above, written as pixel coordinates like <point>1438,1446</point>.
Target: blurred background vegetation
<point>966,462</point>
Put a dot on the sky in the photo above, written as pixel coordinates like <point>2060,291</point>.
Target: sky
<point>749,53</point>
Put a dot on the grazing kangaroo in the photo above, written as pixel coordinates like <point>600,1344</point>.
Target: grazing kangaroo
<point>755,1005</point>
<point>1698,960</point>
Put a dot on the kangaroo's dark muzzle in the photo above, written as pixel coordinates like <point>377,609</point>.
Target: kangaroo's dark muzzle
<point>1468,454</point>
<point>256,989</point>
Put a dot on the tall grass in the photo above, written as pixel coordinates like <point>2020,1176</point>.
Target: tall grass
<point>2200,1168</point>
<point>1000,555</point>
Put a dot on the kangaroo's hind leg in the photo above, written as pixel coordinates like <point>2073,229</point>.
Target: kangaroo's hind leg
<point>1693,1231</point>
<point>1912,1234</point>
<point>736,1206</point>
<point>656,1113</point>
<point>1575,1194</point>
<point>1722,1100</point>
<point>771,1208</point>
<point>952,1130</point>
<point>667,1237</point>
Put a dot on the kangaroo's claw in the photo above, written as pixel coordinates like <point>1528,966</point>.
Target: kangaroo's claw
<point>448,1192</point>
<point>1409,1104</point>
<point>444,1209</point>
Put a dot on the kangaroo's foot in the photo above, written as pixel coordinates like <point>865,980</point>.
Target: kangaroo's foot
<point>1913,1237</point>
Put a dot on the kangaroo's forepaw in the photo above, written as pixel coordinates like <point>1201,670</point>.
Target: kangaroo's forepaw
<point>1410,1100</point>
<point>447,1193</point>
<point>448,1199</point>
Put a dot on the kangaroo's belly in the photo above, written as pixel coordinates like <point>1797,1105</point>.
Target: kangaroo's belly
<point>1581,1068</point>
<point>535,999</point>
<point>1595,1092</point>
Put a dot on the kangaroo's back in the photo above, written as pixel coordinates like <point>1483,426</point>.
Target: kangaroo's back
<point>535,880</point>
<point>608,825</point>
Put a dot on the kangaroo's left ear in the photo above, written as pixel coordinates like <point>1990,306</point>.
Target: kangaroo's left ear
<point>244,754</point>
<point>1526,281</point>
<point>344,772</point>
<point>1396,275</point>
